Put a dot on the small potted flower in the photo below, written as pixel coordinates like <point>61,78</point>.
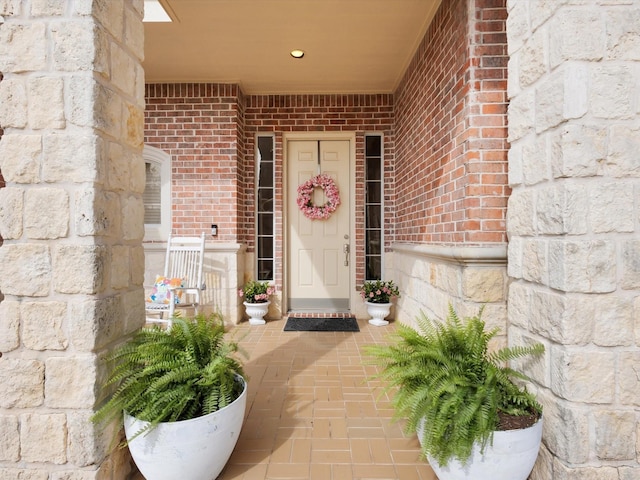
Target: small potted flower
<point>377,296</point>
<point>256,300</point>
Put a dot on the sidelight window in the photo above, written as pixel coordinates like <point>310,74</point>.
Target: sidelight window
<point>373,207</point>
<point>265,194</point>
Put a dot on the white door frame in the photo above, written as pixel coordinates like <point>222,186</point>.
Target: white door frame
<point>315,136</point>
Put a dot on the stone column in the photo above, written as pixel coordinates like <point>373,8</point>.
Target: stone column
<point>71,216</point>
<point>574,224</point>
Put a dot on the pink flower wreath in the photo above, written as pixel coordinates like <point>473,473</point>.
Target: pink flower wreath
<point>305,191</point>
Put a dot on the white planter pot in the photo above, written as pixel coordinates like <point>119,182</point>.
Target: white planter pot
<point>511,457</point>
<point>256,312</point>
<point>197,448</point>
<point>378,312</point>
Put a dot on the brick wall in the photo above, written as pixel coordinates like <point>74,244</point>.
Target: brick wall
<point>200,126</point>
<point>451,152</point>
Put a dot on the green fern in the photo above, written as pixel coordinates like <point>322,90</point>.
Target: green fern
<point>161,375</point>
<point>442,374</point>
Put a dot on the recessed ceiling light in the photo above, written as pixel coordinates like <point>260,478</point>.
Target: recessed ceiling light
<point>155,12</point>
<point>297,53</point>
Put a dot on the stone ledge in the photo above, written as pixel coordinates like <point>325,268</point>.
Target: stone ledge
<point>466,256</point>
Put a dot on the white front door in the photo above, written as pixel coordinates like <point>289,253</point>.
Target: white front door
<point>318,260</point>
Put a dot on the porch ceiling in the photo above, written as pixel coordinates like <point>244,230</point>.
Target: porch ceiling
<point>351,46</point>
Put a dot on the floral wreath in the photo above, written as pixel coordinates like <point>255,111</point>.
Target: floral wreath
<point>305,191</point>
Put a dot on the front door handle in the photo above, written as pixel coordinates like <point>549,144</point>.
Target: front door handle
<point>346,249</point>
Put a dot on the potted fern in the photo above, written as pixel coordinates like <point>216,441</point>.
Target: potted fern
<point>183,395</point>
<point>472,419</point>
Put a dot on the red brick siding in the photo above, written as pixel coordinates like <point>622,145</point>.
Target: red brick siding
<point>451,149</point>
<point>199,126</point>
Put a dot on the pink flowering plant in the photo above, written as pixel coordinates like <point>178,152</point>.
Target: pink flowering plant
<point>379,291</point>
<point>256,292</point>
<point>305,197</point>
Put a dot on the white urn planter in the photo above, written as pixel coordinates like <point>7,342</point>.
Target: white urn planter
<point>198,448</point>
<point>511,457</point>
<point>256,312</point>
<point>378,312</point>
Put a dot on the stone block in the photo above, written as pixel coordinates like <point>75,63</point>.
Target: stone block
<point>533,59</point>
<point>10,7</point>
<point>565,472</point>
<point>71,158</point>
<point>134,123</point>
<point>534,261</point>
<point>576,91</point>
<point>84,440</point>
<point>43,325</point>
<point>134,33</point>
<point>613,319</point>
<point>132,217</point>
<point>555,318</point>
<point>23,474</point>
<point>70,382</point>
<point>134,313</point>
<point>519,305</point>
<point>622,157</point>
<point>79,46</point>
<point>9,439</point>
<point>30,279</point>
<point>615,435</point>
<point>630,265</point>
<point>46,213</point>
<point>623,34</point>
<point>520,213</point>
<point>484,284</point>
<point>522,110</point>
<point>560,209</point>
<point>137,265</point>
<point>9,325</point>
<point>118,168</point>
<point>584,267</point>
<point>628,473</point>
<point>78,475</point>
<point>566,428</point>
<point>122,64</point>
<point>22,383</point>
<point>537,368</point>
<point>107,116</point>
<point>576,34</point>
<point>79,268</point>
<point>579,151</point>
<point>534,166</point>
<point>13,103</point>
<point>46,102</point>
<point>11,212</point>
<point>25,47</point>
<point>549,105</point>
<point>612,88</point>
<point>518,28</point>
<point>98,213</point>
<point>516,172</point>
<point>43,437</point>
<point>46,8</point>
<point>20,157</point>
<point>81,94</point>
<point>628,380</point>
<point>96,323</point>
<point>573,371</point>
<point>542,10</point>
<point>120,267</point>
<point>514,257</point>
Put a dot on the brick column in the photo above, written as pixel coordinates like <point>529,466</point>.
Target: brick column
<point>71,215</point>
<point>573,224</point>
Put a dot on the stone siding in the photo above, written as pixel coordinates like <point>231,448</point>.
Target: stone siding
<point>71,112</point>
<point>573,224</point>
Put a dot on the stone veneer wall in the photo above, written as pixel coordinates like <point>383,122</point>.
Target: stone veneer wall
<point>451,168</point>
<point>574,224</point>
<point>71,215</point>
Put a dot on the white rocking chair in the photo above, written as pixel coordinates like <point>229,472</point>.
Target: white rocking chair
<point>184,261</point>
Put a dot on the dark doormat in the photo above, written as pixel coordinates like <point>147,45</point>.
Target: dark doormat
<point>329,324</point>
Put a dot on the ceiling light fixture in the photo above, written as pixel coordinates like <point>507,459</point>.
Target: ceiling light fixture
<point>297,53</point>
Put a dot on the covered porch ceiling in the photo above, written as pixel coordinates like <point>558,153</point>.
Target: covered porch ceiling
<point>351,46</point>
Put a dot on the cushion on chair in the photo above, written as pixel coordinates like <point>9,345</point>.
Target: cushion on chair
<point>161,290</point>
